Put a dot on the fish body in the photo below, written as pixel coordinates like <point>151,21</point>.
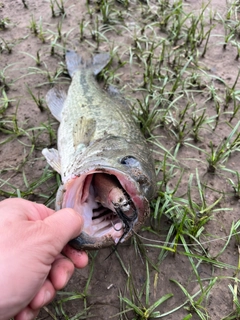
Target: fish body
<point>106,167</point>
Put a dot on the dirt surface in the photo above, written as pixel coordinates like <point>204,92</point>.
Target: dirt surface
<point>27,128</point>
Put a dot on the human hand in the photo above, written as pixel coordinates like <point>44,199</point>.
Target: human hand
<point>32,267</point>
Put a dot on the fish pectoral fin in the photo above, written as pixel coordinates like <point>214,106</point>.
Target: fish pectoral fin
<point>53,158</point>
<point>55,99</point>
<point>83,131</point>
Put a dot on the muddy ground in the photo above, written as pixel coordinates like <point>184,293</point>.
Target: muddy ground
<point>27,127</point>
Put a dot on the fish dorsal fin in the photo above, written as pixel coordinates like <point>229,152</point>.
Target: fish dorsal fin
<point>83,131</point>
<point>55,99</point>
<point>52,157</point>
<point>74,62</point>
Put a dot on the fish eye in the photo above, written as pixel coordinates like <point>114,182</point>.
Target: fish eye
<point>130,161</point>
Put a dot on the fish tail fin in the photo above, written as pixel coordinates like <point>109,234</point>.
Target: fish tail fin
<point>100,61</point>
<point>75,62</point>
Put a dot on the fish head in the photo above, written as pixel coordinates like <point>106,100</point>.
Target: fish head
<point>110,187</point>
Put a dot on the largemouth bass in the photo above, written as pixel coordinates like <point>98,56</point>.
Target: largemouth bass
<point>106,167</point>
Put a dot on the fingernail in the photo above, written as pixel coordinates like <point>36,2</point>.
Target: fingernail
<point>68,277</point>
<point>28,314</point>
<point>47,297</point>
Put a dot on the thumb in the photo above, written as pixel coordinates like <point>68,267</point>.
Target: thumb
<point>64,225</point>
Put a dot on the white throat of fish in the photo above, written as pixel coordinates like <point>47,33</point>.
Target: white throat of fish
<point>106,207</point>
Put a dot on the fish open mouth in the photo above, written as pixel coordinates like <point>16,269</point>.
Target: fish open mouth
<point>109,204</point>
